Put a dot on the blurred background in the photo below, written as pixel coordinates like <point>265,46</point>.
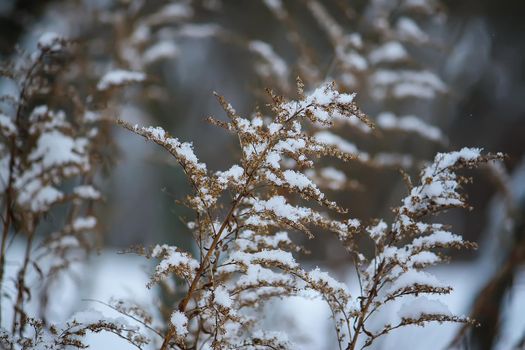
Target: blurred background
<point>474,48</point>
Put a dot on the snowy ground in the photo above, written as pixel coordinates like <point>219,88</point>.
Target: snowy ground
<point>308,321</point>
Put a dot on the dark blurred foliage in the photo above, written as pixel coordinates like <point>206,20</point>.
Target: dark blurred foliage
<point>487,111</point>
<point>15,17</point>
<point>492,112</point>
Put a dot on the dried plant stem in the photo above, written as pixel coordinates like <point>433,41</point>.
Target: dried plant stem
<point>193,286</point>
<point>11,178</point>
<point>21,289</point>
<point>5,230</point>
<point>364,311</point>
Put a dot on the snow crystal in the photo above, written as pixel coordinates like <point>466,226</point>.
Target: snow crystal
<point>318,276</point>
<point>37,197</point>
<point>255,274</point>
<point>284,258</point>
<point>322,95</point>
<point>409,30</point>
<point>184,150</point>
<point>346,98</point>
<point>43,198</point>
<point>274,127</point>
<point>234,173</point>
<point>91,116</point>
<point>257,122</point>
<point>410,123</point>
<point>336,178</point>
<point>280,208</point>
<point>439,185</point>
<point>243,124</point>
<point>272,159</point>
<point>180,322</point>
<point>275,5</point>
<point>437,238</point>
<point>50,41</point>
<point>160,51</point>
<point>119,77</point>
<point>38,112</point>
<point>421,306</point>
<point>157,132</point>
<point>299,180</point>
<point>7,126</point>
<point>351,59</point>
<point>177,10</point>
<point>55,149</point>
<point>88,316</point>
<point>316,104</point>
<point>172,258</point>
<point>222,297</point>
<point>391,51</point>
<point>413,277</point>
<point>276,63</point>
<point>330,139</point>
<point>86,192</point>
<point>446,160</point>
<point>423,6</point>
<point>354,223</point>
<point>291,145</point>
<point>407,89</point>
<point>64,242</point>
<point>276,239</point>
<point>141,34</point>
<point>171,13</point>
<point>244,242</point>
<point>406,83</point>
<point>84,223</point>
<point>199,31</point>
<point>274,337</point>
<point>275,256</point>
<point>377,231</point>
<point>424,258</point>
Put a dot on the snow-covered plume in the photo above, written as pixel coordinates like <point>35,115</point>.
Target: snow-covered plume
<point>50,154</point>
<point>243,214</point>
